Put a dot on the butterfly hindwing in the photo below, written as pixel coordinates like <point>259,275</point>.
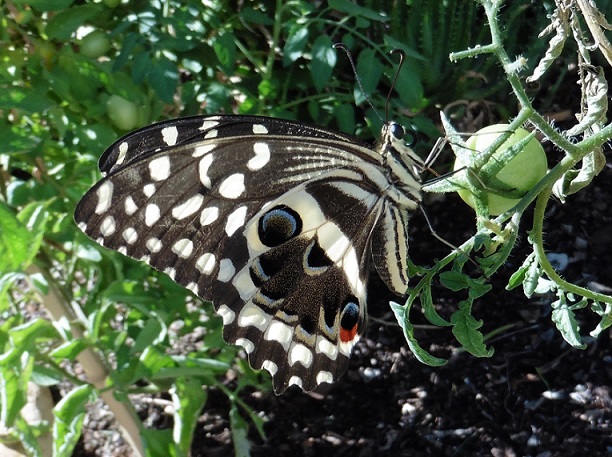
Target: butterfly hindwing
<point>273,221</point>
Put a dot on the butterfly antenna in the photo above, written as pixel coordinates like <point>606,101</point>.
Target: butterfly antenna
<point>402,55</point>
<point>357,78</point>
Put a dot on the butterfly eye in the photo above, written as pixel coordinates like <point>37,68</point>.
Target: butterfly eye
<point>278,225</point>
<point>397,131</point>
<point>349,319</point>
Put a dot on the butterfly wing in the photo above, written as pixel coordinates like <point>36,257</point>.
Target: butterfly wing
<point>270,220</point>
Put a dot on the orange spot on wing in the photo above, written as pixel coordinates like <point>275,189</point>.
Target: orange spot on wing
<point>347,335</point>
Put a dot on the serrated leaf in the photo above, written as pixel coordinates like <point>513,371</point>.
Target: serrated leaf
<point>532,276</point>
<point>477,288</point>
<point>454,280</point>
<point>421,354</point>
<point>465,329</point>
<point>565,320</point>
<point>606,318</point>
<point>430,311</point>
<point>323,61</point>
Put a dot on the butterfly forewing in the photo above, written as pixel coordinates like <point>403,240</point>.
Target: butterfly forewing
<point>273,221</point>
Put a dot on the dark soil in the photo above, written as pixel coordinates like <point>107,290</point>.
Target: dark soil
<point>536,396</point>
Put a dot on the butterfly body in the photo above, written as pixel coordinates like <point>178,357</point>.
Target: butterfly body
<point>275,222</point>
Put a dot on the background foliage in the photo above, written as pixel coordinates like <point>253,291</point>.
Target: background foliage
<point>76,74</point>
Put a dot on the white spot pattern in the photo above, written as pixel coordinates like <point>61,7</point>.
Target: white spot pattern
<point>253,316</point>
<point>206,263</point>
<point>130,205</point>
<point>130,235</point>
<point>105,196</point>
<point>191,206</point>
<point>232,186</point>
<point>280,332</point>
<point>203,167</point>
<point>300,354</point>
<point>183,248</point>
<point>262,157</point>
<point>226,270</point>
<point>159,168</point>
<point>149,190</point>
<point>259,129</point>
<point>209,215</point>
<point>123,149</point>
<point>170,135</point>
<point>227,314</point>
<point>246,344</point>
<point>108,226</point>
<point>154,244</point>
<point>152,214</point>
<point>235,220</point>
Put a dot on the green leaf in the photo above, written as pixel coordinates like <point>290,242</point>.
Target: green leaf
<point>454,280</point>
<point>532,275</point>
<point>401,314</point>
<point>164,79</point>
<point>565,320</point>
<point>27,434</point>
<point>61,26</point>
<point>159,443</point>
<point>188,398</point>
<point>14,240</point>
<point>240,429</point>
<point>345,117</point>
<point>354,9</point>
<point>69,350</point>
<point>465,329</point>
<point>429,309</point>
<point>295,44</point>
<point>69,414</point>
<point>225,49</point>
<point>255,16</point>
<point>323,61</point>
<point>12,390</point>
<point>32,100</point>
<point>45,5</point>
<point>152,333</point>
<point>606,318</point>
<point>369,70</point>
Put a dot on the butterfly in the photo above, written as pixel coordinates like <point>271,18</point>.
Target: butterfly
<point>276,222</point>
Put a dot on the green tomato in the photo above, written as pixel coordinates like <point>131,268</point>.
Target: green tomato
<point>521,173</point>
<point>122,112</point>
<point>95,44</point>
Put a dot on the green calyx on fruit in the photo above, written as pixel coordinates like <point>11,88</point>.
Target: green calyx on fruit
<point>514,179</point>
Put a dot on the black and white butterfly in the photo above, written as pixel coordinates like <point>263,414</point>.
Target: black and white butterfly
<point>276,222</point>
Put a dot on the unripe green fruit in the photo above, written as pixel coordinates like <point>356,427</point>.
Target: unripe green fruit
<point>521,173</point>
